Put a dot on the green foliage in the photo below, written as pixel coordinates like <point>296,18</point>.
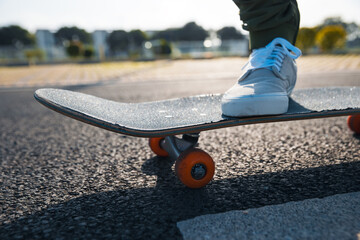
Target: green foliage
<point>350,28</point>
<point>170,34</point>
<point>163,48</point>
<point>118,41</point>
<point>192,32</point>
<point>75,49</point>
<point>306,39</point>
<point>331,37</point>
<point>126,42</point>
<point>137,37</point>
<point>72,34</point>
<point>15,36</point>
<point>34,55</point>
<point>333,21</point>
<point>229,33</point>
<point>88,52</point>
<point>189,32</point>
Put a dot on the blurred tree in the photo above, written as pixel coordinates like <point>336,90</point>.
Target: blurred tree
<point>118,40</point>
<point>137,37</point>
<point>15,36</point>
<point>88,52</point>
<point>74,49</point>
<point>352,30</point>
<point>306,39</point>
<point>229,33</point>
<point>34,55</point>
<point>163,48</point>
<point>333,21</point>
<point>189,32</point>
<point>192,32</point>
<point>336,21</point>
<point>72,34</point>
<point>170,34</point>
<point>331,37</point>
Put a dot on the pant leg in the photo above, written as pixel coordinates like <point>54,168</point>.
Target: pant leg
<point>268,19</point>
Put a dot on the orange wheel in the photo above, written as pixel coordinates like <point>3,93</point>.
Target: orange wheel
<point>195,168</point>
<point>353,122</point>
<point>156,148</point>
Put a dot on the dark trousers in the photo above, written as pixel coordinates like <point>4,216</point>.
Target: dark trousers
<point>268,19</point>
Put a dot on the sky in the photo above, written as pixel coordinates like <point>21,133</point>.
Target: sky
<point>152,14</point>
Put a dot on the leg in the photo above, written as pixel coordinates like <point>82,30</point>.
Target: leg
<point>269,19</point>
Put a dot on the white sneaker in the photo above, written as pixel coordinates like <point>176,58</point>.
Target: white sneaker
<point>264,88</point>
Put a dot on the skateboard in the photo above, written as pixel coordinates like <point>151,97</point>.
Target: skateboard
<point>163,121</point>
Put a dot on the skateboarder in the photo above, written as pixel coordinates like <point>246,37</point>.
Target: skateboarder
<point>270,73</point>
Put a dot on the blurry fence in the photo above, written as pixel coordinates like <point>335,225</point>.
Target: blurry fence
<point>200,49</point>
<point>13,55</point>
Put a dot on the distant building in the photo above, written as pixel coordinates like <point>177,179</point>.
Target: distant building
<point>193,49</point>
<point>101,46</point>
<point>46,42</point>
<point>235,47</point>
<point>211,48</point>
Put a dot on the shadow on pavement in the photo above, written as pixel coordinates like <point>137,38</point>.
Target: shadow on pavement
<point>357,136</point>
<point>113,214</point>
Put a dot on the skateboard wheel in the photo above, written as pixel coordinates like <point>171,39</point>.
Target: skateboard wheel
<point>154,144</point>
<point>195,168</point>
<point>353,122</point>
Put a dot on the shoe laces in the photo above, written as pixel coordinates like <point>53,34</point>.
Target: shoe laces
<point>272,55</point>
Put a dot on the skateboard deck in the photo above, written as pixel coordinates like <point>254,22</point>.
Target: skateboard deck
<point>191,114</point>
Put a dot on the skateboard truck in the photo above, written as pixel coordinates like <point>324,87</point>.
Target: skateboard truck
<point>175,146</point>
<point>194,167</point>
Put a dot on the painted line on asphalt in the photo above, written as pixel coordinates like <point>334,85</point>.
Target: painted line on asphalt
<point>334,217</point>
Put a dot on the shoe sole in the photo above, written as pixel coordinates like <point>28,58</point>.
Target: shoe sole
<point>257,105</point>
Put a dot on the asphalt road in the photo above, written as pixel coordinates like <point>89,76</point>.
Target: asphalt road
<point>63,179</point>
